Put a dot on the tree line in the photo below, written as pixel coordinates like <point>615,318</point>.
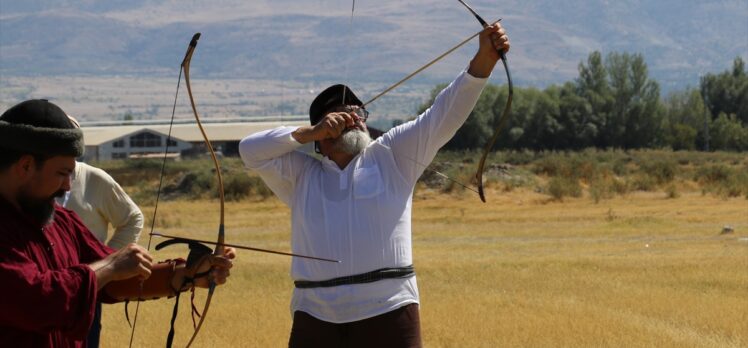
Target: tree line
<point>613,103</point>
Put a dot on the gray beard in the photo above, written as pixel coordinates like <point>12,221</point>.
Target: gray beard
<point>352,141</point>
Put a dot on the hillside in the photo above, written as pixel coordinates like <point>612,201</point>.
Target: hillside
<point>314,40</point>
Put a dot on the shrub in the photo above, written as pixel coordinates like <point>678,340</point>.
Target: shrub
<point>643,183</point>
<point>243,185</point>
<point>662,171</point>
<point>552,165</point>
<point>671,191</point>
<point>620,167</point>
<point>561,186</point>
<point>600,189</point>
<point>520,157</point>
<point>602,185</point>
<point>712,174</point>
<point>237,186</point>
<point>584,168</point>
<point>261,189</point>
<point>723,180</point>
<point>620,187</point>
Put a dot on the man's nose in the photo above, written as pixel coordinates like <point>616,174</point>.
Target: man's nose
<point>67,182</point>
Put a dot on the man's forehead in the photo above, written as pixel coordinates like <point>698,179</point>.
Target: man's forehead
<point>61,163</point>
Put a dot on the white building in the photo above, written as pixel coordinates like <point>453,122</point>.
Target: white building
<point>148,139</point>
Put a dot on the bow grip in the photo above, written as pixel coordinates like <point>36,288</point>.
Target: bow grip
<point>197,250</point>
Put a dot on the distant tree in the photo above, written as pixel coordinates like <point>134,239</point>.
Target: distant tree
<point>728,133</point>
<point>476,131</point>
<point>613,103</point>
<point>634,117</point>
<point>624,104</point>
<point>727,92</point>
<point>593,87</point>
<point>581,125</point>
<point>534,120</point>
<point>683,121</point>
<point>480,125</point>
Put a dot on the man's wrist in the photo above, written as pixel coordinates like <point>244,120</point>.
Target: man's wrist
<point>303,134</point>
<point>481,66</point>
<point>103,272</point>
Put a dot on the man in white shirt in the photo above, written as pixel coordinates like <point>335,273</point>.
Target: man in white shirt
<point>100,201</point>
<point>354,205</point>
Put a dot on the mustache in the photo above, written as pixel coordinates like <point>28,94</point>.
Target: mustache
<point>58,194</point>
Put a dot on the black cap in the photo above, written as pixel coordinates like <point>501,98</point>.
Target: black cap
<point>37,113</point>
<point>39,127</point>
<point>333,96</point>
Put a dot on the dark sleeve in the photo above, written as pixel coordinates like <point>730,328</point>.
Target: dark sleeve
<point>37,301</point>
<point>90,249</point>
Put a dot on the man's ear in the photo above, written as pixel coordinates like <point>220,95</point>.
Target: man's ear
<point>25,166</point>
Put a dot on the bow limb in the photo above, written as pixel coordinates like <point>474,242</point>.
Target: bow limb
<point>504,116</point>
<point>220,242</point>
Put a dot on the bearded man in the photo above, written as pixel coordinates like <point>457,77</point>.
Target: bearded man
<point>53,270</point>
<point>354,205</point>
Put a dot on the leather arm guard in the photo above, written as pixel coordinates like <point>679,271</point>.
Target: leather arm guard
<point>157,285</point>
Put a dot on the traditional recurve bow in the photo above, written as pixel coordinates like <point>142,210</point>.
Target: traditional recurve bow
<point>502,121</point>
<point>504,116</point>
<point>185,67</point>
<point>219,243</point>
<point>220,239</point>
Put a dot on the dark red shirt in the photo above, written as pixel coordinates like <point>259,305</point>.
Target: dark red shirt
<point>47,292</point>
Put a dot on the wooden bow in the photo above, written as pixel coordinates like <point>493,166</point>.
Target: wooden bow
<point>504,116</point>
<point>220,239</point>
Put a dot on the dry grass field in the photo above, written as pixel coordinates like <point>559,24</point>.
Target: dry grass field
<point>640,270</point>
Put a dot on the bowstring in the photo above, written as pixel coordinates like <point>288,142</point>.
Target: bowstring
<point>346,75</point>
<point>158,197</point>
<point>350,40</point>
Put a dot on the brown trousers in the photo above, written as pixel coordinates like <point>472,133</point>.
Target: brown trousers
<point>400,328</point>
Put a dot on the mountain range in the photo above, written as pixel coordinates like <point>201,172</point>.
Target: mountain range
<point>328,41</point>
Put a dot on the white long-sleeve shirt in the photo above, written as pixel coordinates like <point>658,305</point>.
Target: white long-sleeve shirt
<point>360,215</point>
<point>100,201</point>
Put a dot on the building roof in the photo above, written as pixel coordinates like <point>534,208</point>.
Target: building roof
<point>216,131</point>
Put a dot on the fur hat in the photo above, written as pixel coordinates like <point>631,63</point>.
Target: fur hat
<point>39,127</point>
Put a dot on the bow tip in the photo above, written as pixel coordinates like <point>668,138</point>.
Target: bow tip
<point>481,194</point>
<point>195,37</point>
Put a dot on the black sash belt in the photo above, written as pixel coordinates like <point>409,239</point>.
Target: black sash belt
<point>368,277</point>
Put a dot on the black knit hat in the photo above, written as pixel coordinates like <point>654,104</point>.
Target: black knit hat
<point>333,96</point>
<point>39,127</point>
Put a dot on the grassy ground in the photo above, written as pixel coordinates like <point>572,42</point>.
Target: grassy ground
<point>523,270</point>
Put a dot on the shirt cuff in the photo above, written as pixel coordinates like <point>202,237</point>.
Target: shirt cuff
<point>287,138</point>
<point>473,79</point>
<point>292,140</point>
